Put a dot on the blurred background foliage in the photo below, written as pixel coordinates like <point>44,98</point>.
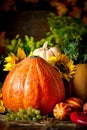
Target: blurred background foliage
<point>67,25</point>
<point>75,8</point>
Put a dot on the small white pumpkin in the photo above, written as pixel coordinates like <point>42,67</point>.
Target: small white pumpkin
<point>45,52</point>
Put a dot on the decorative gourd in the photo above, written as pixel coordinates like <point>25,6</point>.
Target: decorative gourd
<point>79,83</point>
<point>45,52</point>
<point>33,82</point>
<point>61,111</point>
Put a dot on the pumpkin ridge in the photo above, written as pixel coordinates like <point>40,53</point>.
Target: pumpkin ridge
<point>9,99</point>
<point>52,75</point>
<point>46,66</point>
<point>44,96</point>
<point>38,98</point>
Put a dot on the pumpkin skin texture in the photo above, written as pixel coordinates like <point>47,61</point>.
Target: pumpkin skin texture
<point>33,82</point>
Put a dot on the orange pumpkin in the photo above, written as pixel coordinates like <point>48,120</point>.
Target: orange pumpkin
<point>33,82</point>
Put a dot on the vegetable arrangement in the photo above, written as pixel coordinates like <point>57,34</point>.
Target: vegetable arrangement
<point>37,79</point>
<point>30,84</point>
<point>33,82</point>
<point>34,86</point>
<point>71,109</point>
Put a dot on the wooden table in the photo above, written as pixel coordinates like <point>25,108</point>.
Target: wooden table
<point>50,124</point>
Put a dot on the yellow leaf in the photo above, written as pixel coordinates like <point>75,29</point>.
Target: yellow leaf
<point>11,58</point>
<point>21,54</point>
<point>8,66</point>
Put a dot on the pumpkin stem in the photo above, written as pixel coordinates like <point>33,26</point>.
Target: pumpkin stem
<point>45,45</point>
<point>33,56</point>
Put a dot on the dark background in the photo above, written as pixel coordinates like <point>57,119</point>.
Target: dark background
<point>6,17</point>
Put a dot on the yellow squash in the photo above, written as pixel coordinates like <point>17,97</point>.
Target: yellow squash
<point>79,83</point>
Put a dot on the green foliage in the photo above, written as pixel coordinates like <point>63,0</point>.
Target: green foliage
<point>0,85</point>
<point>66,33</point>
<point>70,36</point>
<point>27,44</point>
